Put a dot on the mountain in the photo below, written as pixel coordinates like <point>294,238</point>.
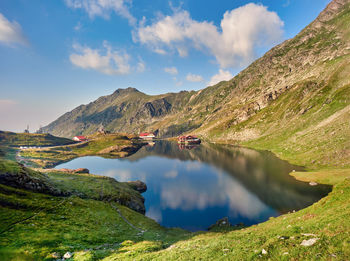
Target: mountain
<point>126,110</point>
<point>295,100</point>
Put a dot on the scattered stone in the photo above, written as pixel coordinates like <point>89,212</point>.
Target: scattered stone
<point>55,255</point>
<point>285,253</point>
<point>309,242</point>
<point>67,255</point>
<point>313,183</point>
<point>308,234</point>
<point>283,237</point>
<point>289,226</point>
<point>264,252</point>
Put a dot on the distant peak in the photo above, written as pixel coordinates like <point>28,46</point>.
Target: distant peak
<point>129,89</point>
<point>332,9</point>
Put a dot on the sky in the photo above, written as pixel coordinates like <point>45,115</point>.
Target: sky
<point>56,55</point>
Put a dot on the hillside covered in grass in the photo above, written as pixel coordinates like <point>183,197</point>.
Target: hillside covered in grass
<point>104,145</point>
<point>294,101</point>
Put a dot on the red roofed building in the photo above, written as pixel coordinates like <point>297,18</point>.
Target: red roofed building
<point>80,138</point>
<point>147,135</point>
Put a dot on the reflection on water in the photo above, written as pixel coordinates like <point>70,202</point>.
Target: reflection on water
<point>194,186</point>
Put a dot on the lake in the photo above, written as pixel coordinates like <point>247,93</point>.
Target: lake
<point>193,187</point>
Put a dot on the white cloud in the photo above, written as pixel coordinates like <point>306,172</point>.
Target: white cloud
<point>11,32</point>
<point>194,78</point>
<point>103,8</point>
<point>6,104</point>
<point>220,76</point>
<point>177,82</point>
<point>241,32</point>
<point>141,67</point>
<point>78,26</point>
<point>111,62</point>
<point>171,70</point>
<point>159,51</point>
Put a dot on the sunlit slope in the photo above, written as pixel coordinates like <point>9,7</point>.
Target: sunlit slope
<point>292,100</point>
<point>304,114</point>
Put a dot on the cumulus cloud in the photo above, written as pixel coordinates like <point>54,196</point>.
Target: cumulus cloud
<point>106,61</point>
<point>78,26</point>
<point>103,8</point>
<point>7,104</point>
<point>141,67</point>
<point>171,70</point>
<point>241,32</point>
<point>11,32</point>
<point>194,78</point>
<point>222,75</point>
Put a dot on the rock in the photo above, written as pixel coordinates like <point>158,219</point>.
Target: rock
<point>264,252</point>
<point>81,170</point>
<point>309,242</point>
<point>308,234</point>
<point>221,223</point>
<point>67,255</point>
<point>55,255</point>
<point>313,183</point>
<point>138,185</point>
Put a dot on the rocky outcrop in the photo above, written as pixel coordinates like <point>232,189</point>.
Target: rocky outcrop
<point>138,185</point>
<point>30,180</point>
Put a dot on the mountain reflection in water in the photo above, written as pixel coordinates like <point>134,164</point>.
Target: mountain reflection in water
<point>193,187</point>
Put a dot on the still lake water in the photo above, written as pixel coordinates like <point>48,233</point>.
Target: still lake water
<point>193,187</point>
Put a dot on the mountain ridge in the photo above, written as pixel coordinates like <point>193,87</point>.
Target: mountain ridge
<point>306,72</point>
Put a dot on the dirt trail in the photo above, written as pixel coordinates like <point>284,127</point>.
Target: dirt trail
<point>124,218</point>
<point>30,217</point>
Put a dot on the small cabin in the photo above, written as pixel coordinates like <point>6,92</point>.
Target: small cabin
<point>80,138</point>
<point>147,135</point>
<point>189,139</point>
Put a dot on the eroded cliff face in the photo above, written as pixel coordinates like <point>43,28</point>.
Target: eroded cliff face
<point>305,72</point>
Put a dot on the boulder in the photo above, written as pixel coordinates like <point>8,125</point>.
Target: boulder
<point>138,185</point>
<point>81,170</point>
<point>221,223</point>
<point>309,242</point>
<point>67,255</point>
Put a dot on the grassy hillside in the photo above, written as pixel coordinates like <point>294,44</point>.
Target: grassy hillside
<point>105,145</point>
<point>28,139</point>
<point>37,226</point>
<point>293,101</point>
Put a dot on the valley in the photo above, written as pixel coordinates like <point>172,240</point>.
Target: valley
<point>278,133</point>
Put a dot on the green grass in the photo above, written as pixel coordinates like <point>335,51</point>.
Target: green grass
<point>97,145</point>
<point>66,224</point>
<point>35,225</point>
<point>27,139</point>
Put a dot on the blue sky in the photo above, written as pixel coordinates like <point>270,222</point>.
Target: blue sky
<point>56,55</point>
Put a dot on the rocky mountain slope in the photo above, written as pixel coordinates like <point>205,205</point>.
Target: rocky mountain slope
<point>283,101</point>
